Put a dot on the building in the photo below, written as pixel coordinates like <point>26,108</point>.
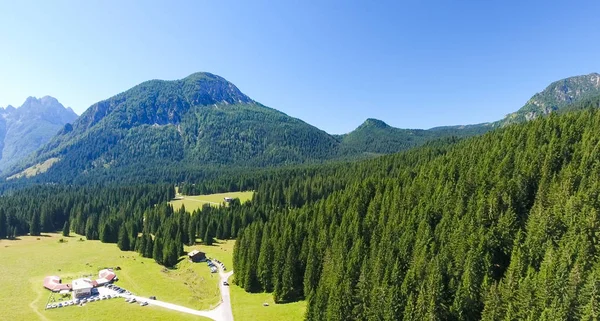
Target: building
<point>105,276</point>
<point>228,199</point>
<point>82,288</point>
<point>197,256</point>
<point>54,284</point>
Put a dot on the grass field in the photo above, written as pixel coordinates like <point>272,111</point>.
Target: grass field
<point>27,261</point>
<point>249,306</point>
<point>192,203</point>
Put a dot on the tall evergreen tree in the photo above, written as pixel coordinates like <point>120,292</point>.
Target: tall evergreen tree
<point>66,228</point>
<point>35,226</point>
<point>3,224</point>
<point>123,242</point>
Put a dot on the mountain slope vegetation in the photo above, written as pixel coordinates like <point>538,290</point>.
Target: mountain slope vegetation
<point>498,227</point>
<point>556,97</point>
<point>376,137</point>
<point>201,119</point>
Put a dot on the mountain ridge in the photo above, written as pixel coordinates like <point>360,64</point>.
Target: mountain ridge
<point>203,118</point>
<point>25,129</point>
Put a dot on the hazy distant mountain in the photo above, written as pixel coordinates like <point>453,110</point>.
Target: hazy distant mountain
<point>25,129</point>
<point>556,97</point>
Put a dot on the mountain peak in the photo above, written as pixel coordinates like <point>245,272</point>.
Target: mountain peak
<point>556,96</point>
<point>372,122</point>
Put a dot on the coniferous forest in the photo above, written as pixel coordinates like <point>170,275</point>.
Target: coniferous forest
<point>498,227</point>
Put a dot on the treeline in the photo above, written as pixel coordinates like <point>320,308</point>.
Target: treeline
<point>90,211</point>
<point>499,227</point>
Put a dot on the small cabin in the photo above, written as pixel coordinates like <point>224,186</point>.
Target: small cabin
<point>228,199</point>
<point>197,256</point>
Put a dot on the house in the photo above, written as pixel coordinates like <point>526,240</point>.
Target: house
<point>82,288</point>
<point>228,199</point>
<point>197,256</point>
<point>54,284</point>
<point>105,276</point>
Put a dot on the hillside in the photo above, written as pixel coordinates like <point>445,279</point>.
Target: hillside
<point>498,227</point>
<point>25,129</point>
<point>376,137</point>
<point>202,119</point>
<point>205,121</point>
<point>556,97</point>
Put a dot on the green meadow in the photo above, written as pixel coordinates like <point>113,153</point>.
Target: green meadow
<point>192,203</point>
<point>25,263</point>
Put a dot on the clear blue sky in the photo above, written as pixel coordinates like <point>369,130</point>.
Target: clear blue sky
<point>413,64</point>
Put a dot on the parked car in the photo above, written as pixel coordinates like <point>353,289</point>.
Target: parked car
<point>225,283</point>
<point>144,303</point>
<point>133,300</point>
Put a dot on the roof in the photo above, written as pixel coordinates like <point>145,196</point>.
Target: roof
<point>194,253</point>
<point>82,284</point>
<point>107,274</point>
<point>52,283</point>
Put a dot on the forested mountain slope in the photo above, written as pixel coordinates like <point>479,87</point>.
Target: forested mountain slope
<point>498,227</point>
<point>201,119</point>
<point>376,137</point>
<point>556,97</point>
<point>25,129</point>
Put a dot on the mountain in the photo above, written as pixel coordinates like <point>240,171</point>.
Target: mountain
<point>25,129</point>
<point>376,137</point>
<point>556,97</point>
<point>205,121</point>
<point>498,227</point>
<point>202,119</point>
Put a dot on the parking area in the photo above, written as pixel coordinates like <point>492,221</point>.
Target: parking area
<point>106,292</point>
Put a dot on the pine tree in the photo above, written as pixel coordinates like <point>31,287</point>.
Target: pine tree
<point>149,246</point>
<point>208,239</point>
<point>66,228</point>
<point>192,231</point>
<point>123,242</point>
<point>157,250</point>
<point>35,225</point>
<point>3,224</point>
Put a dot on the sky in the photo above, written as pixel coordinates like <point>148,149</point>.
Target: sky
<point>333,64</point>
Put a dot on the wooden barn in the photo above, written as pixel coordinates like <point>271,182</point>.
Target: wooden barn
<point>197,256</point>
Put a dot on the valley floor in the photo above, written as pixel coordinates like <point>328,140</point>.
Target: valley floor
<point>27,260</point>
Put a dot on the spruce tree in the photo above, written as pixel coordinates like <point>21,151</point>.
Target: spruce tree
<point>3,224</point>
<point>157,250</point>
<point>208,239</point>
<point>123,242</point>
<point>35,225</point>
<point>192,231</point>
<point>149,248</point>
<point>66,228</point>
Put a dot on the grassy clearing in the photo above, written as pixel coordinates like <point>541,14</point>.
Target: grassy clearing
<point>36,169</point>
<point>192,203</point>
<point>249,306</point>
<point>222,251</point>
<point>27,261</point>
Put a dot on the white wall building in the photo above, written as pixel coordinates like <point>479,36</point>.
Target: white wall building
<point>82,288</point>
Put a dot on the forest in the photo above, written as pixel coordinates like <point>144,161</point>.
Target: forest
<point>501,226</point>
